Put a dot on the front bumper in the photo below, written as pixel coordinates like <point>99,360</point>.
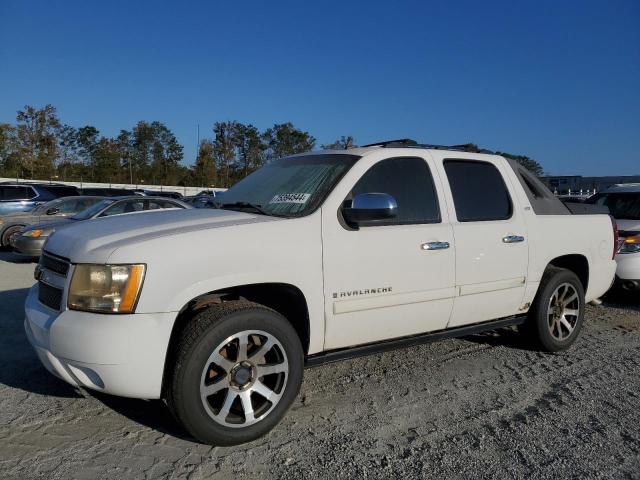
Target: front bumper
<point>117,354</point>
<point>628,266</point>
<point>31,247</point>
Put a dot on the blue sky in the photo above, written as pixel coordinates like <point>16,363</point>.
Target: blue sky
<point>558,81</point>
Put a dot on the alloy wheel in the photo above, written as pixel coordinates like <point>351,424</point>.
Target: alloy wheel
<point>563,311</point>
<point>244,378</point>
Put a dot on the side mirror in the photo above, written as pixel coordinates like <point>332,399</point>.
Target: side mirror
<point>368,207</point>
<point>53,211</point>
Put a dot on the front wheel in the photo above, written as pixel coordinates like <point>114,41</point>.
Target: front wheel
<point>238,369</point>
<point>557,313</point>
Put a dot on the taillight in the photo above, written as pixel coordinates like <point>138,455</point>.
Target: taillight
<point>630,244</point>
<point>615,237</point>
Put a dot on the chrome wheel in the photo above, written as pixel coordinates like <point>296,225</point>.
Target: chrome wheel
<point>563,311</point>
<point>244,378</point>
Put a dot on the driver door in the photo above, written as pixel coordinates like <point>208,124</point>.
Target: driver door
<point>381,279</point>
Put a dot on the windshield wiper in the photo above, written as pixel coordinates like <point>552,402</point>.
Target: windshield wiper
<point>245,206</point>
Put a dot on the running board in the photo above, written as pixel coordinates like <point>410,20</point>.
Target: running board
<point>371,348</point>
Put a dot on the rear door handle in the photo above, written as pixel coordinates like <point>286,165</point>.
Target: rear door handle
<point>435,246</point>
<point>512,239</point>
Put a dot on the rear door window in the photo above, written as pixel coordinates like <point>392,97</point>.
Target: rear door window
<point>16,193</point>
<point>479,192</point>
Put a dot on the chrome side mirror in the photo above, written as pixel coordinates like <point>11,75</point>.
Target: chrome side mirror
<point>53,211</point>
<point>369,207</point>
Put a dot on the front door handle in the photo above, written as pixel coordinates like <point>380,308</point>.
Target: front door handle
<point>435,246</point>
<point>513,239</point>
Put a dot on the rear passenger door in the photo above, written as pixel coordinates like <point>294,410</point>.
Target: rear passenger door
<point>490,238</point>
<point>383,280</point>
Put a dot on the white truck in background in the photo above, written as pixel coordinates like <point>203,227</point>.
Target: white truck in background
<point>312,258</point>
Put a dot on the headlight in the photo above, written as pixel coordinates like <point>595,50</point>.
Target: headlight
<point>105,288</point>
<point>38,232</point>
<point>630,245</point>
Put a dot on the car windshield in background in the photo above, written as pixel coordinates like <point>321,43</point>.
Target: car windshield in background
<point>93,210</point>
<point>289,187</point>
<point>623,206</point>
<point>41,209</point>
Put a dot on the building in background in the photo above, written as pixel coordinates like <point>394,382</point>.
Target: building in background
<point>577,184</point>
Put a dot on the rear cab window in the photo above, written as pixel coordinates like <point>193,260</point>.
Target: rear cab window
<point>478,190</point>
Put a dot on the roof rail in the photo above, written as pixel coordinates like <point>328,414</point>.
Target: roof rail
<point>403,142</point>
<point>409,143</point>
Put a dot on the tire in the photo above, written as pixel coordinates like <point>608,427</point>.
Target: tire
<point>557,314</point>
<point>6,235</point>
<point>209,359</point>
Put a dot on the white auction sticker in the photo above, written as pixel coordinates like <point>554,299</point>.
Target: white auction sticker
<point>291,198</point>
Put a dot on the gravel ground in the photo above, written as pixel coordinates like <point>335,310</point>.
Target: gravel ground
<point>483,406</point>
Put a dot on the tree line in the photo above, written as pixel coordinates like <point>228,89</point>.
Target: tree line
<point>39,146</point>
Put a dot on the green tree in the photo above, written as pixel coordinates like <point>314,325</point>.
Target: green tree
<point>528,163</point>
<point>36,140</point>
<point>224,145</point>
<point>9,158</point>
<point>153,153</point>
<point>284,139</point>
<point>249,146</point>
<point>341,144</point>
<point>205,172</point>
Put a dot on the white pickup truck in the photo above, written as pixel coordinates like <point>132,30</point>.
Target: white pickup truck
<point>312,258</point>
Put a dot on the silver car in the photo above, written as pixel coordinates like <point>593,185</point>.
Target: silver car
<point>54,210</point>
<point>32,239</point>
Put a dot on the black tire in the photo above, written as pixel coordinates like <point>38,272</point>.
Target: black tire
<point>6,235</point>
<point>207,330</point>
<point>540,322</point>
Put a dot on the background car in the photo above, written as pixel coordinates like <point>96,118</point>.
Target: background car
<point>106,192</point>
<point>623,202</point>
<point>158,193</point>
<point>11,224</point>
<point>23,197</point>
<point>203,201</point>
<point>32,238</point>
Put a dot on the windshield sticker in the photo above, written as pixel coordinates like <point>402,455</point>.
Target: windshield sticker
<point>291,198</point>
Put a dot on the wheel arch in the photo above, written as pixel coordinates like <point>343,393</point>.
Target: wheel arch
<point>286,299</point>
<point>576,263</point>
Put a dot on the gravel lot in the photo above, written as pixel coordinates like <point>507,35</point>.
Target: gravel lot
<point>480,407</point>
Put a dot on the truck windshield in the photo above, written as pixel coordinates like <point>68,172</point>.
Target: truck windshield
<point>623,206</point>
<point>289,187</point>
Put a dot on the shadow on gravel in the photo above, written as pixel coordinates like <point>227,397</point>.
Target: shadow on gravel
<point>8,256</point>
<point>626,300</point>
<point>21,369</point>
<point>19,365</point>
<point>150,413</point>
<point>505,337</point>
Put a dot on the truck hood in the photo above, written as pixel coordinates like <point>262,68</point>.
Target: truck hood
<point>628,225</point>
<point>95,240</point>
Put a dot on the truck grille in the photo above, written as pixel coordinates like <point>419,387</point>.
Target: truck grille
<point>49,296</point>
<point>54,264</point>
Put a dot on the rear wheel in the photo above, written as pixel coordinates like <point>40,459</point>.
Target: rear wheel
<point>557,313</point>
<point>238,369</point>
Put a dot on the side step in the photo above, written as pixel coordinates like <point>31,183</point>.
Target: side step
<point>371,348</point>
